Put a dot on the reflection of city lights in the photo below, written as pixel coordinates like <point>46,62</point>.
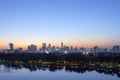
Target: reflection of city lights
<point>4,69</point>
<point>1,67</point>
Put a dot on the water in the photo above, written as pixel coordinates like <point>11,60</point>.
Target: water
<point>53,73</point>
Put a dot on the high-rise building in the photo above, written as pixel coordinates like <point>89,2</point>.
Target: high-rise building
<point>49,46</point>
<point>20,50</point>
<point>71,49</point>
<point>44,46</point>
<point>62,45</point>
<point>10,47</point>
<point>32,48</point>
<point>116,49</point>
<point>96,49</point>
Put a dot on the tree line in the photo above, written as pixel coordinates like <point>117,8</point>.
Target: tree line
<point>75,57</point>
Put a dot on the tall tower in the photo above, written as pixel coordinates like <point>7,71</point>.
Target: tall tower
<point>10,46</point>
<point>62,45</point>
<point>49,46</point>
<point>44,46</point>
<point>32,48</point>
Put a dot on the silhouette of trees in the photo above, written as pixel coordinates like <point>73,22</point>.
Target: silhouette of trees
<point>73,57</point>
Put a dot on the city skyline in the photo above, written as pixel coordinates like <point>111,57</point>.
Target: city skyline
<point>63,49</point>
<point>78,23</point>
<point>25,47</point>
<point>12,46</point>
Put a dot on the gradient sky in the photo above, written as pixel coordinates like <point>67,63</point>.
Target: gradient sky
<point>75,22</point>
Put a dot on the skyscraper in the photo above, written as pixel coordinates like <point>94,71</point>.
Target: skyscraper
<point>32,48</point>
<point>10,47</point>
<point>116,49</point>
<point>62,45</point>
<point>49,46</point>
<point>96,49</point>
<point>44,46</point>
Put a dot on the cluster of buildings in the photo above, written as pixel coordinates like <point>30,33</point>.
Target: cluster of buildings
<point>62,49</point>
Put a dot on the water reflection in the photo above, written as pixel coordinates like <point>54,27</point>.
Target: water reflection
<point>52,68</point>
<point>5,69</point>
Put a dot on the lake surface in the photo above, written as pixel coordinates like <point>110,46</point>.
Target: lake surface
<point>59,73</point>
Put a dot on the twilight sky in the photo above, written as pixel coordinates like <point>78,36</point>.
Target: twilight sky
<point>75,22</point>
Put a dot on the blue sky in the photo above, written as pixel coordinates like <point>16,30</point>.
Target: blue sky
<point>74,22</point>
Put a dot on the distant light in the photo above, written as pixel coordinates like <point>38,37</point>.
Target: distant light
<point>47,52</point>
<point>65,52</point>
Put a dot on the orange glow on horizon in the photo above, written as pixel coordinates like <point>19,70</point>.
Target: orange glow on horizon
<point>75,44</point>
